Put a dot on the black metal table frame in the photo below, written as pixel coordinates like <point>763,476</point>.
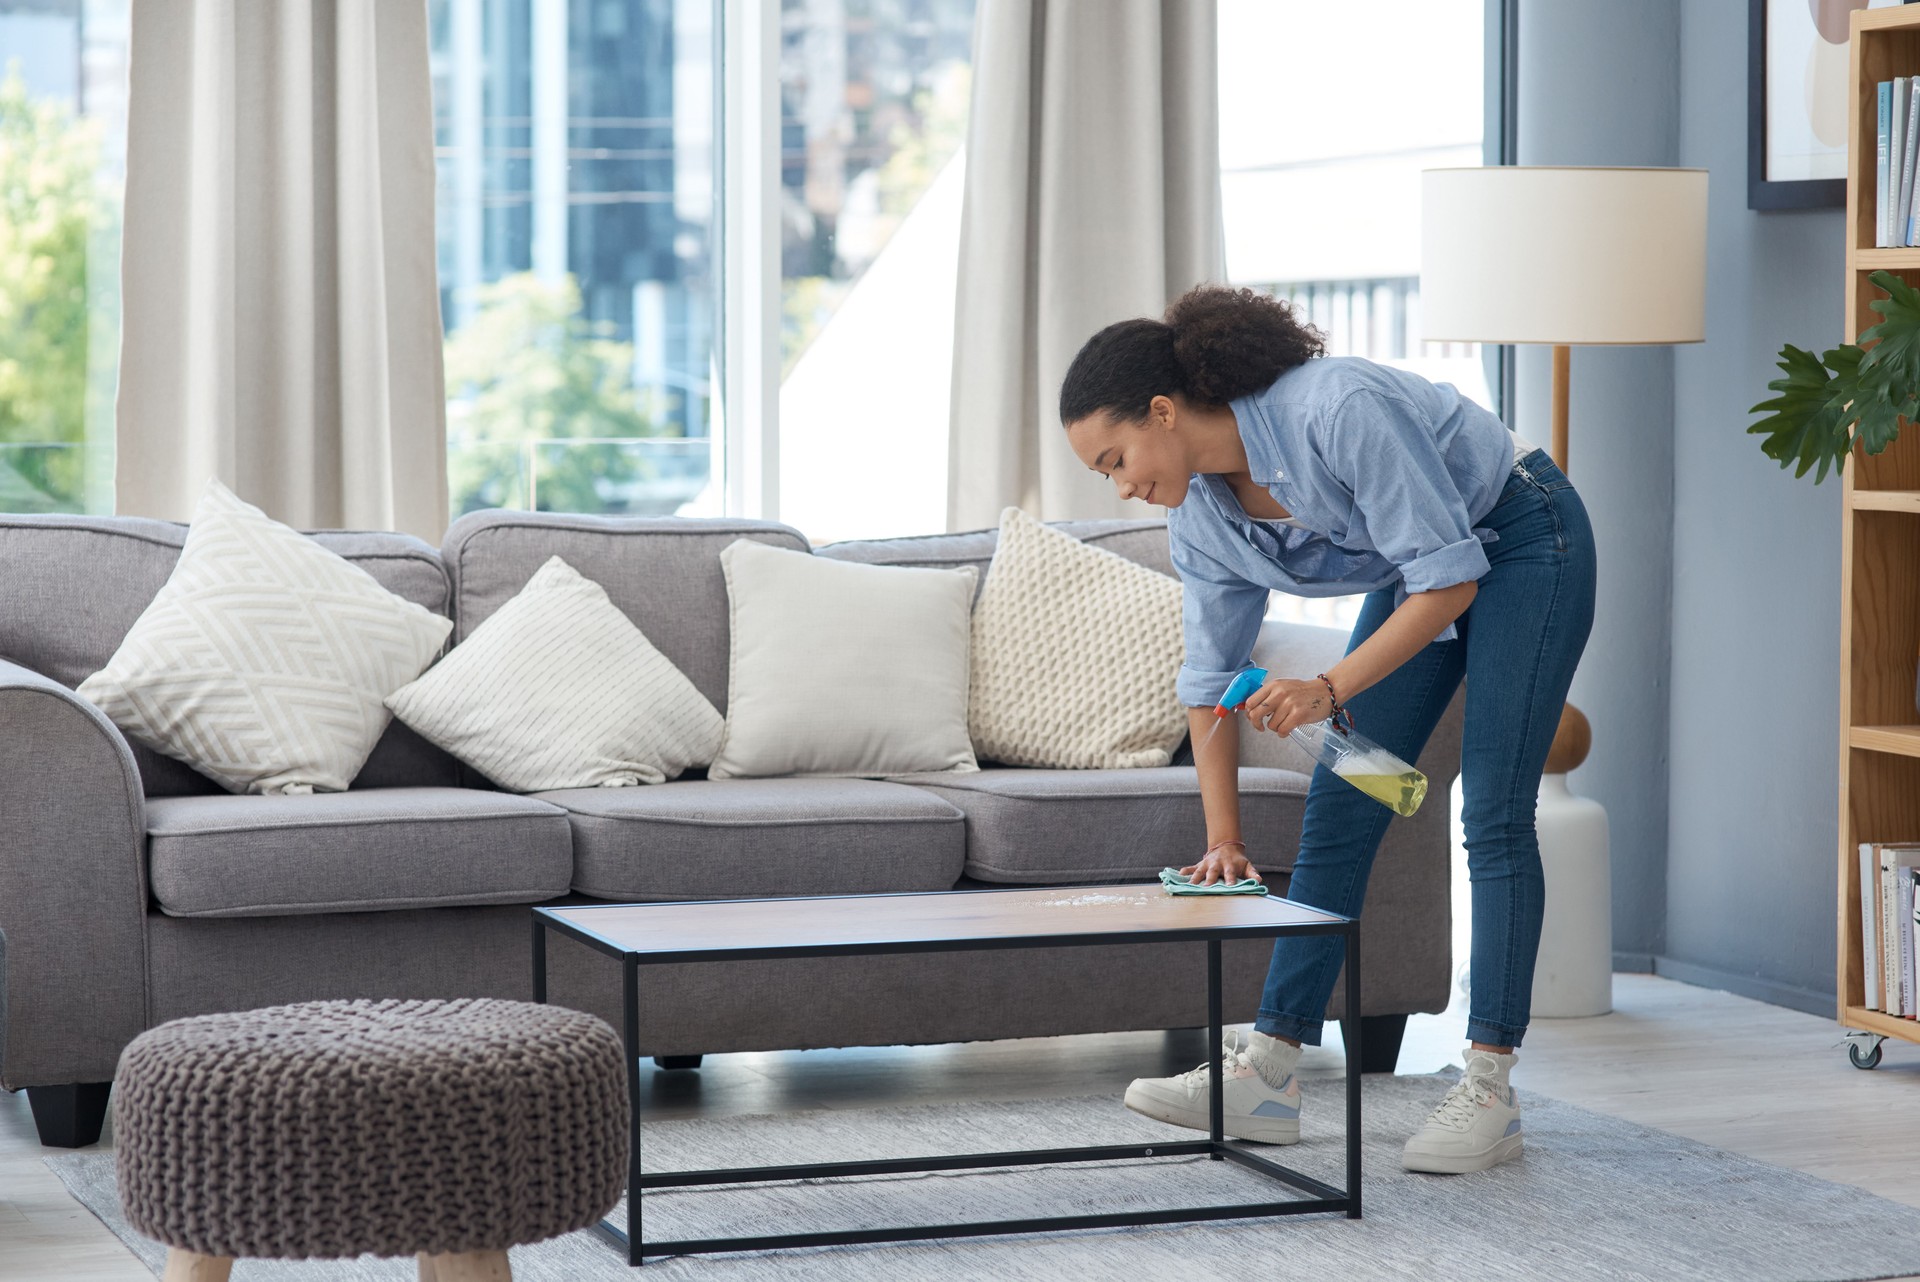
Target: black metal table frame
<point>1324,1197</point>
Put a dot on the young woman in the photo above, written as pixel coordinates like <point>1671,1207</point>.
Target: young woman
<point>1283,468</point>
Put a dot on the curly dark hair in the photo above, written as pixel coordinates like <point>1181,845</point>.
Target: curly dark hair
<point>1215,344</point>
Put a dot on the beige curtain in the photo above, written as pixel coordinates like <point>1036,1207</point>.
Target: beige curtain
<point>1093,195</point>
<point>280,301</point>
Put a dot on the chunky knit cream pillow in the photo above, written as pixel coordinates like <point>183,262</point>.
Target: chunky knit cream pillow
<point>1075,650</point>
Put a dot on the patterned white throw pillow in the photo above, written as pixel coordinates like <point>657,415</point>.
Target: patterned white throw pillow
<point>263,660</point>
<point>558,689</point>
<point>1075,651</point>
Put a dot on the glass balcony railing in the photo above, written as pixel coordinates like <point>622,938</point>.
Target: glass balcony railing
<point>623,476</point>
<point>56,476</point>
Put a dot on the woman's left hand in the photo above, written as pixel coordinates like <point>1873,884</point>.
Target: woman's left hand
<point>1280,704</point>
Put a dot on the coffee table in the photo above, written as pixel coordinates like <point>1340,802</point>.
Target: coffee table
<point>642,935</point>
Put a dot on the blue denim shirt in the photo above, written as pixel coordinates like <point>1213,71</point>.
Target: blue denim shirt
<point>1387,473</point>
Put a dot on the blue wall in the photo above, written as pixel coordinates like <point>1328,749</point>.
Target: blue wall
<point>1712,677</point>
<point>1599,85</point>
<point>1754,810</point>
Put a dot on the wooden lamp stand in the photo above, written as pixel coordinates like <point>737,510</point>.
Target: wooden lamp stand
<point>1574,739</point>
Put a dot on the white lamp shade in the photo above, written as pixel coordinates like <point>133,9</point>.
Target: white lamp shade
<point>1526,254</point>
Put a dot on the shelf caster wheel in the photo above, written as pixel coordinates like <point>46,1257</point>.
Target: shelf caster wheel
<point>1864,1049</point>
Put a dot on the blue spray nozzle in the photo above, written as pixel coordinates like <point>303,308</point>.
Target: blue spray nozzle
<point>1243,685</point>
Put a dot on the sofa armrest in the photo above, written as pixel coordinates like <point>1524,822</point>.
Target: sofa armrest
<point>1302,649</point>
<point>73,886</point>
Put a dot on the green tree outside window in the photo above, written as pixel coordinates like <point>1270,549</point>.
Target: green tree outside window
<point>541,408</point>
<point>51,206</point>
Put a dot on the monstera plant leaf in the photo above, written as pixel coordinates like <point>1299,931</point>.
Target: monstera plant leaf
<point>1810,417</point>
<point>1889,375</point>
<point>1850,395</point>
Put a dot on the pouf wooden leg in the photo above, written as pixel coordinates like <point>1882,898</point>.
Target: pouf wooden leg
<point>191,1266</point>
<point>466,1266</point>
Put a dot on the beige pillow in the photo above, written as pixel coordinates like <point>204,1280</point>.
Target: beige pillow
<point>837,668</point>
<point>558,689</point>
<point>264,659</point>
<point>1075,650</point>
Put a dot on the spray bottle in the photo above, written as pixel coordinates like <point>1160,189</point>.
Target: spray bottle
<point>1352,756</point>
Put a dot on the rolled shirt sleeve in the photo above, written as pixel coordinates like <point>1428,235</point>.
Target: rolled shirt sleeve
<point>1220,615</point>
<point>1388,460</point>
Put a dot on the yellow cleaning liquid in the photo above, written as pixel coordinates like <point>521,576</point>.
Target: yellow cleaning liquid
<point>1400,793</point>
<point>1384,777</point>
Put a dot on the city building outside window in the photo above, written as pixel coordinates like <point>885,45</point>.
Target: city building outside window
<point>575,205</point>
<point>579,229</point>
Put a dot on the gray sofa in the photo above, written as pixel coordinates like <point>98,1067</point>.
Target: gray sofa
<point>133,891</point>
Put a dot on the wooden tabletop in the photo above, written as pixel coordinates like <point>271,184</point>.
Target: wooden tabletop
<point>906,923</point>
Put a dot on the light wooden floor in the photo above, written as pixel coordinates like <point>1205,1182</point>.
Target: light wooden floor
<point>1757,1079</point>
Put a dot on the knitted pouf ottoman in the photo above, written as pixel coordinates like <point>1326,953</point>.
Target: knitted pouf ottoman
<point>447,1129</point>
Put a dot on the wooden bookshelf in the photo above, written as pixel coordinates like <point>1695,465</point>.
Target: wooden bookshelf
<point>1880,551</point>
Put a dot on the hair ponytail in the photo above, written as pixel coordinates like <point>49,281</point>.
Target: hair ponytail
<point>1215,345</point>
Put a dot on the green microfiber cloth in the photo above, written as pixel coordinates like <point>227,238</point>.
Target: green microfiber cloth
<point>1179,884</point>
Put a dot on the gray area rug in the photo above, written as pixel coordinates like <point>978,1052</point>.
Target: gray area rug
<point>1593,1198</point>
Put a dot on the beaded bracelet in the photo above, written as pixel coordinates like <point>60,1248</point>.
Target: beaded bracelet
<point>1339,715</point>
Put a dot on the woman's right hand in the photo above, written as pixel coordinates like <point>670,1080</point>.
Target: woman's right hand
<point>1226,862</point>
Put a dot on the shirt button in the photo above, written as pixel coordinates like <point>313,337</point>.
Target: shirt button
<point>1279,475</point>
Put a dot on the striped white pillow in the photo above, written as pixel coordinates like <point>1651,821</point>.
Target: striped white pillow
<point>558,689</point>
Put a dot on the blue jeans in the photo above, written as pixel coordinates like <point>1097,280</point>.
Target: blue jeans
<point>1517,647</point>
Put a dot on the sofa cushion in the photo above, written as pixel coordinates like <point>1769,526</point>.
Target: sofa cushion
<point>663,573</point>
<point>1142,541</point>
<point>75,585</point>
<point>738,838</point>
<point>1048,827</point>
<point>375,849</point>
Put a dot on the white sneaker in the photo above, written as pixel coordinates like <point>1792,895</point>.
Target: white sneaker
<point>1476,1126</point>
<point>1250,1109</point>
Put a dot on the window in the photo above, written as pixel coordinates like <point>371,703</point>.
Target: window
<point>1320,174</point>
<point>579,254</point>
<point>62,163</point>
<point>575,149</point>
<point>873,117</point>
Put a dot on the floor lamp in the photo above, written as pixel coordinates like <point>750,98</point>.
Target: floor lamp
<point>1568,257</point>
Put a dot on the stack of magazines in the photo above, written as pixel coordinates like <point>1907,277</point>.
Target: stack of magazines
<point>1893,192</point>
<point>1889,874</point>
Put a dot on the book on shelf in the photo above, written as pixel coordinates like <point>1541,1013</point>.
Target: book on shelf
<point>1903,220</point>
<point>1897,164</point>
<point>1881,233</point>
<point>1896,153</point>
<point>1913,925</point>
<point>1890,966</point>
<point>1903,909</point>
<point>1892,890</point>
<point>1870,925</point>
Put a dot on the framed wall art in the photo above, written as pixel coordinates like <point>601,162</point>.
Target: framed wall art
<point>1797,102</point>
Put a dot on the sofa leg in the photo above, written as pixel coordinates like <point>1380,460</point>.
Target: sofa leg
<point>1380,1042</point>
<point>677,1061</point>
<point>69,1116</point>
